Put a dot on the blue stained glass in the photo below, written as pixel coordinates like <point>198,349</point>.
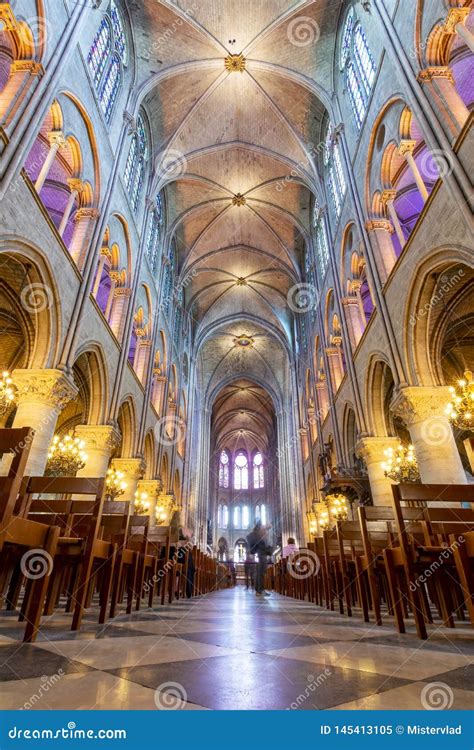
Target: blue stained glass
<point>119,33</point>
<point>100,51</point>
<point>357,61</point>
<point>364,60</point>
<point>357,102</point>
<point>346,39</point>
<point>134,174</point>
<point>110,88</point>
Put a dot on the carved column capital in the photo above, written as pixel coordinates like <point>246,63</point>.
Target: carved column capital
<point>415,404</point>
<point>406,147</point>
<point>455,16</point>
<point>371,449</point>
<point>134,468</point>
<point>99,436</point>
<point>430,74</point>
<point>8,21</point>
<point>56,138</point>
<point>376,224</point>
<point>50,387</point>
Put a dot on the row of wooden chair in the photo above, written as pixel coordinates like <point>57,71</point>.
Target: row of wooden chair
<point>62,544</point>
<point>414,558</point>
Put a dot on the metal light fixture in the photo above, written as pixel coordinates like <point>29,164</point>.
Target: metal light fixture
<point>66,456</point>
<point>7,392</point>
<point>337,506</point>
<point>461,409</point>
<point>142,504</point>
<point>115,484</point>
<point>401,464</point>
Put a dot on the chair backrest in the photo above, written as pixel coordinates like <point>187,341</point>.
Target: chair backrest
<point>83,515</point>
<point>444,493</point>
<point>15,442</point>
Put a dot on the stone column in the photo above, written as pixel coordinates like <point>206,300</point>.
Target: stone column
<point>441,89</point>
<point>22,76</point>
<point>56,141</point>
<point>351,307</point>
<point>152,487</point>
<point>385,256</point>
<point>76,187</point>
<point>158,394</point>
<point>388,198</point>
<point>406,149</point>
<point>336,369</point>
<point>133,468</point>
<point>104,255</point>
<point>423,411</point>
<point>118,312</point>
<point>456,24</point>
<point>84,222</point>
<point>322,398</point>
<point>371,450</point>
<point>469,446</point>
<point>100,440</point>
<point>42,394</point>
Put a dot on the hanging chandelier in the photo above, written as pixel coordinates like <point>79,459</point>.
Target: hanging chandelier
<point>115,484</point>
<point>66,456</point>
<point>401,464</point>
<point>7,392</point>
<point>142,504</point>
<point>337,505</point>
<point>461,409</point>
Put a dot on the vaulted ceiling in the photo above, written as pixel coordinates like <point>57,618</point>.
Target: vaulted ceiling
<point>235,153</point>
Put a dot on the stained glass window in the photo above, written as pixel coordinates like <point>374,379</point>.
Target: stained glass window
<point>335,174</point>
<point>110,88</point>
<point>225,517</point>
<point>224,470</point>
<point>258,477</point>
<point>135,167</point>
<point>178,318</point>
<point>100,51</point>
<point>245,517</point>
<point>241,472</point>
<point>236,522</point>
<point>263,514</point>
<point>322,248</point>
<point>106,58</point>
<point>119,33</point>
<point>358,65</point>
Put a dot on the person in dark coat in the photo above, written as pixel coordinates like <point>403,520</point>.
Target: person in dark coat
<point>258,545</point>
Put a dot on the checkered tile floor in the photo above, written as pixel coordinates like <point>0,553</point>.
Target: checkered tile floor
<point>229,650</point>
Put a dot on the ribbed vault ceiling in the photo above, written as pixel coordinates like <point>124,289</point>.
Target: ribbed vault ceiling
<point>217,134</point>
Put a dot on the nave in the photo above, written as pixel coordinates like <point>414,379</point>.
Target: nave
<point>230,650</point>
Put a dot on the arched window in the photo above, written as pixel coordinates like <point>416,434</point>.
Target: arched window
<point>178,317</point>
<point>219,517</point>
<point>110,88</point>
<point>358,65</point>
<point>225,516</point>
<point>224,470</point>
<point>107,58</point>
<point>237,521</point>
<point>241,472</point>
<point>263,514</point>
<point>134,174</point>
<point>152,249</point>
<point>257,513</point>
<point>245,517</point>
<point>322,247</point>
<point>168,282</point>
<point>258,478</point>
<point>335,173</point>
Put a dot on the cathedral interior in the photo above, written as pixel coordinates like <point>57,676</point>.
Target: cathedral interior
<point>236,291</point>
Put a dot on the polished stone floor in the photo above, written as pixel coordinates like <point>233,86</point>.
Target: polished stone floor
<point>230,650</point>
